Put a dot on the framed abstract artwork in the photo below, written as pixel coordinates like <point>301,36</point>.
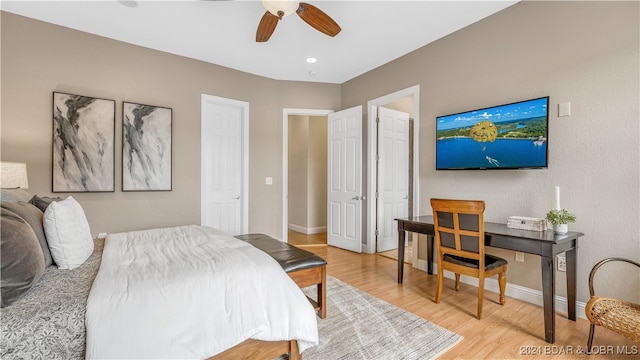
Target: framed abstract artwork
<point>83,143</point>
<point>146,147</point>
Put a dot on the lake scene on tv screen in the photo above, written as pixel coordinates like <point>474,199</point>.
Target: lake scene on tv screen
<point>506,136</point>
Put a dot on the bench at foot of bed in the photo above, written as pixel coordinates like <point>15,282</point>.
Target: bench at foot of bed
<point>304,267</point>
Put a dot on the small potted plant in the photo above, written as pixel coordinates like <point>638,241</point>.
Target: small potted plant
<point>560,219</point>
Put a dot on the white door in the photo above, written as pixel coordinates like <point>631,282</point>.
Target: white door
<point>393,175</point>
<point>344,179</point>
<point>224,146</point>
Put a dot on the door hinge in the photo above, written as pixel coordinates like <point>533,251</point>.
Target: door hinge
<point>376,232</point>
<point>376,194</point>
<point>377,120</point>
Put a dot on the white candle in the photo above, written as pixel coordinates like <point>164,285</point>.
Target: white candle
<point>557,197</point>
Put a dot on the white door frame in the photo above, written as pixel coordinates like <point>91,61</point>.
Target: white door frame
<point>245,153</point>
<point>286,112</point>
<point>372,136</point>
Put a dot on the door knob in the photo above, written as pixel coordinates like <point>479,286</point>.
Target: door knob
<point>236,197</point>
<point>406,197</point>
<point>357,198</point>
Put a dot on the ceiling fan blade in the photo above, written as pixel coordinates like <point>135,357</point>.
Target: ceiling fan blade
<point>266,26</point>
<point>318,19</point>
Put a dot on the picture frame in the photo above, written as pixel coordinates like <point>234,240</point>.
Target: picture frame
<point>83,143</point>
<point>146,147</point>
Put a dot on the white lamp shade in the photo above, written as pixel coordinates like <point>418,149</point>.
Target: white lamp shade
<point>13,175</point>
<point>288,7</point>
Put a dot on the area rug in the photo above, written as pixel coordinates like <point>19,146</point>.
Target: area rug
<point>361,326</point>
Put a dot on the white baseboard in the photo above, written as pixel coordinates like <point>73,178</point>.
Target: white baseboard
<point>298,228</point>
<point>306,230</point>
<point>514,291</point>
<point>317,230</point>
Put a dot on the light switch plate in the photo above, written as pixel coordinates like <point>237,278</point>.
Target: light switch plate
<point>268,181</point>
<point>564,109</point>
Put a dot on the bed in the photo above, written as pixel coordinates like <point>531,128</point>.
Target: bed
<point>48,321</point>
<point>51,319</point>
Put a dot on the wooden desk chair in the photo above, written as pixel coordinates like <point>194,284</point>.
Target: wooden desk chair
<point>459,235</point>
<point>617,315</point>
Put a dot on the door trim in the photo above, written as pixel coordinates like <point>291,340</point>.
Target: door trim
<point>286,112</point>
<point>244,106</point>
<point>372,142</point>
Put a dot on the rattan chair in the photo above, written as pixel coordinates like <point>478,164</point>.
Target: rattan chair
<point>459,234</point>
<point>617,315</point>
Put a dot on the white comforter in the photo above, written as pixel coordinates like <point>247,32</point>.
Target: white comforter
<point>190,292</point>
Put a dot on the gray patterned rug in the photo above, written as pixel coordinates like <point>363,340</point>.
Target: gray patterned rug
<point>361,326</point>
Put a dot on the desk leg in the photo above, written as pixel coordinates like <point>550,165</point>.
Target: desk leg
<point>548,296</point>
<point>401,234</point>
<point>572,265</point>
<point>430,254</point>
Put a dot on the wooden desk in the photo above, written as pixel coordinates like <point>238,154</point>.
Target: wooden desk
<point>546,244</point>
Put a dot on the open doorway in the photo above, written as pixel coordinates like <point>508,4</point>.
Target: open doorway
<point>305,176</point>
<point>307,220</point>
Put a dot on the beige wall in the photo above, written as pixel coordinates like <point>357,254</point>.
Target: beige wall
<point>39,58</point>
<point>317,181</point>
<point>298,171</point>
<point>404,105</point>
<point>307,173</point>
<point>585,53</point>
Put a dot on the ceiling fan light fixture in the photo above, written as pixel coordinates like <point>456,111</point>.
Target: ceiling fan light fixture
<point>277,9</point>
<point>281,8</point>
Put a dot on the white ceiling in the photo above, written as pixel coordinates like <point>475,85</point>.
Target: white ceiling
<point>223,32</point>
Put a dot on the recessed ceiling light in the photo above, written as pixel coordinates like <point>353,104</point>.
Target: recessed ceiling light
<point>311,60</point>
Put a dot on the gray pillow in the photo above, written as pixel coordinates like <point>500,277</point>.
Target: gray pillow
<point>14,195</point>
<point>21,259</point>
<point>33,216</point>
<point>43,202</point>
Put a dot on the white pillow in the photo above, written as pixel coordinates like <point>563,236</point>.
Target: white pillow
<point>68,233</point>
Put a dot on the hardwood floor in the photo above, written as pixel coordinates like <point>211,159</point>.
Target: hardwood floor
<point>296,238</point>
<point>512,331</point>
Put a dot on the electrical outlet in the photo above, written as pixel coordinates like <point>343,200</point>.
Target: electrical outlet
<point>519,256</point>
<point>562,263</point>
<point>102,235</point>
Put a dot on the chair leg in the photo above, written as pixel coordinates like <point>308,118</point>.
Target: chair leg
<point>480,296</point>
<point>457,282</point>
<point>439,286</point>
<point>590,339</point>
<point>502,281</point>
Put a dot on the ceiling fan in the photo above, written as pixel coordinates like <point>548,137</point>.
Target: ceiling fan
<point>276,10</point>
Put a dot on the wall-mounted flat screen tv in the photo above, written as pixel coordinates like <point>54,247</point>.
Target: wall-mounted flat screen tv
<point>509,136</point>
